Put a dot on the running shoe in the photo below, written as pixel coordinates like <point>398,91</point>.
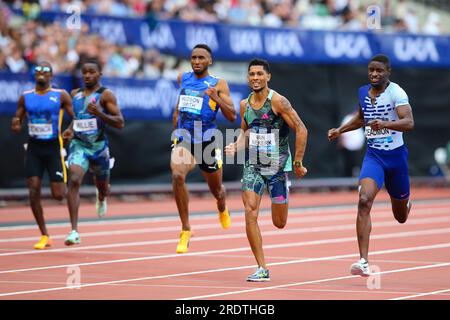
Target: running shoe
<point>360,268</point>
<point>225,219</point>
<point>100,206</point>
<point>43,243</point>
<point>260,275</point>
<point>72,238</point>
<point>183,245</point>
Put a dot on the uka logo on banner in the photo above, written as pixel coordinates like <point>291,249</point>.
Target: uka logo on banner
<point>110,29</point>
<point>284,43</point>
<point>245,41</point>
<point>161,37</point>
<point>408,49</point>
<point>344,45</point>
<point>195,35</point>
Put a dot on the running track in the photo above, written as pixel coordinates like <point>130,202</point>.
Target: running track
<point>131,253</point>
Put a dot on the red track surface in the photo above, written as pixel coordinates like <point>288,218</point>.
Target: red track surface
<point>124,258</point>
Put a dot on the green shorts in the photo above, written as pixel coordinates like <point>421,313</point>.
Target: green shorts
<point>93,157</point>
<point>277,185</point>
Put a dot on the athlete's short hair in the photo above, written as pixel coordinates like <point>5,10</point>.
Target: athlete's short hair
<point>203,46</point>
<point>259,62</point>
<point>383,59</point>
<point>93,61</point>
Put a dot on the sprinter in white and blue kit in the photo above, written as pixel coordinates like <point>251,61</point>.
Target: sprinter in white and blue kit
<point>385,113</point>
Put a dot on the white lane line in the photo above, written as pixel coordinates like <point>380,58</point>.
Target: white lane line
<point>421,294</point>
<point>410,249</point>
<point>332,228</point>
<point>312,282</point>
<point>395,235</point>
<point>381,214</point>
<point>318,210</point>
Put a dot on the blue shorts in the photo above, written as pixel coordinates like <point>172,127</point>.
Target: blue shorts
<point>390,167</point>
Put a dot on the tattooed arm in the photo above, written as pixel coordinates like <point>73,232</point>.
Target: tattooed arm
<point>282,107</point>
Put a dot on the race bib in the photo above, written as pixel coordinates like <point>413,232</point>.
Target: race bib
<point>190,104</point>
<point>40,129</point>
<point>377,134</point>
<point>266,140</point>
<point>84,125</point>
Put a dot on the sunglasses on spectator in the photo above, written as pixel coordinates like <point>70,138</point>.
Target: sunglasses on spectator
<point>42,69</point>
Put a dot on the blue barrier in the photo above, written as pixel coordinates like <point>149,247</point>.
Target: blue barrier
<point>232,43</point>
<point>138,98</point>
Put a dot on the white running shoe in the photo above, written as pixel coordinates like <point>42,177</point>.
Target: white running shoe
<point>100,206</point>
<point>360,268</point>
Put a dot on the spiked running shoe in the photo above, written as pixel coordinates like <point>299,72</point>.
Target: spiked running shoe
<point>260,275</point>
<point>360,268</point>
<point>72,238</point>
<point>183,245</point>
<point>225,219</point>
<point>100,206</point>
<point>44,242</point>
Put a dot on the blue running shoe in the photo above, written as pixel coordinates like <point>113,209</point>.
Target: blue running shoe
<point>260,275</point>
<point>72,238</point>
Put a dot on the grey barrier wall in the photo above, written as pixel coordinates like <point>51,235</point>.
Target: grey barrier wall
<point>322,95</point>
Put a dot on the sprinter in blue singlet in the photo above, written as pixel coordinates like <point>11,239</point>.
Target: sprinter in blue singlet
<point>201,97</point>
<point>384,112</point>
<point>44,108</point>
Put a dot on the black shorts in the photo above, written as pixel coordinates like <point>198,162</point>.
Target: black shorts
<point>45,155</point>
<point>207,154</point>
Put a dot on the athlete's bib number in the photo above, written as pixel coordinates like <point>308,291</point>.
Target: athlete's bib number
<point>84,125</point>
<point>40,129</point>
<point>266,140</point>
<point>377,134</point>
<point>190,104</point>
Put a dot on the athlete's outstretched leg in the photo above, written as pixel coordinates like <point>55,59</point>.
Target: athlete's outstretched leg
<point>181,163</point>
<point>34,191</point>
<point>251,203</point>
<point>367,194</point>
<point>73,195</point>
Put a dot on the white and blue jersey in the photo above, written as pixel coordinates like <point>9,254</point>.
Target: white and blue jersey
<point>386,159</point>
<point>196,107</point>
<point>384,108</point>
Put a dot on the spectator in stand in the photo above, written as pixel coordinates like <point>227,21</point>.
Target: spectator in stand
<point>3,65</point>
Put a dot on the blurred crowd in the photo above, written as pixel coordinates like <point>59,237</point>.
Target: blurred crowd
<point>24,41</point>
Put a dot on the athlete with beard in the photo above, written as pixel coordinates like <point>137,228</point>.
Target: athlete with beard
<point>44,107</point>
<point>266,118</point>
<point>95,107</point>
<point>385,113</point>
<point>201,97</point>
